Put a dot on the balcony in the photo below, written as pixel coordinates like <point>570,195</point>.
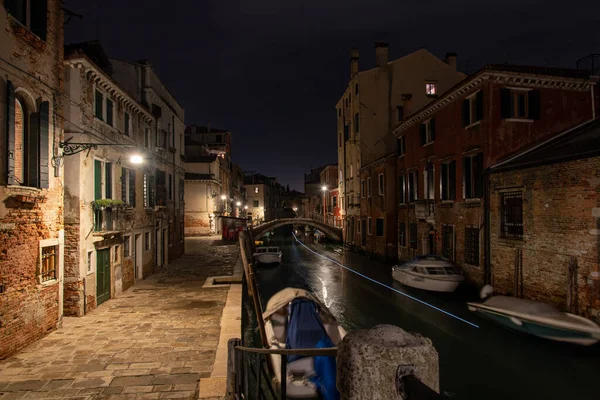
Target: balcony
<point>106,217</point>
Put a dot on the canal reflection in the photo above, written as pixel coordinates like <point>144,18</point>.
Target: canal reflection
<point>487,362</point>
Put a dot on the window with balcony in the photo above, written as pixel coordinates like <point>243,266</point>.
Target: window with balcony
<point>427,132</point>
<point>32,14</point>
<point>473,176</point>
<point>448,180</point>
<point>472,109</point>
<point>520,104</point>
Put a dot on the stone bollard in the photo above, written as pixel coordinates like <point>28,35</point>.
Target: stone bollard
<point>368,362</point>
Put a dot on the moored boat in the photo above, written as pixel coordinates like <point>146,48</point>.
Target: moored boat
<point>538,319</point>
<point>267,255</point>
<point>428,272</point>
<point>294,319</point>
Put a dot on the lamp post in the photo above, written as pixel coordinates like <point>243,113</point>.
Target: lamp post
<point>324,189</point>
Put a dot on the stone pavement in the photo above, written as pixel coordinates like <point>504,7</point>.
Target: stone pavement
<point>156,341</point>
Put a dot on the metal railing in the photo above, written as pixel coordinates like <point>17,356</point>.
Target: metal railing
<point>590,63</point>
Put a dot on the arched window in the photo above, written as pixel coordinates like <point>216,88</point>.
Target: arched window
<point>20,142</point>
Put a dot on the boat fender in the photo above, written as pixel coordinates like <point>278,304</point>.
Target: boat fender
<point>516,321</point>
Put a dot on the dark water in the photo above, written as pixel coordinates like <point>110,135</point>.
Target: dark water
<point>488,362</point>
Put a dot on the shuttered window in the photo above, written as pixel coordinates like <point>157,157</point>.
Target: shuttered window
<point>127,124</point>
<point>520,104</point>
<point>99,105</point>
<point>37,10</point>
<point>472,109</point>
<point>448,180</point>
<point>427,132</point>
<point>109,112</point>
<point>473,176</point>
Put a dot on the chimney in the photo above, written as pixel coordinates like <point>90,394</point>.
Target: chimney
<point>451,60</point>
<point>406,104</point>
<point>381,54</point>
<point>353,62</point>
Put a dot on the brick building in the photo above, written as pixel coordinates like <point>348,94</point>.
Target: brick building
<point>544,216</point>
<point>373,103</point>
<point>109,200</point>
<point>31,183</point>
<point>329,181</point>
<point>445,148</point>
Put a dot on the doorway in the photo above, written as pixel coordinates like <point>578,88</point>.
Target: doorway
<point>431,241</point>
<point>102,276</point>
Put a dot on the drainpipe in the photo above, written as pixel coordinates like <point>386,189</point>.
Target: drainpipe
<point>487,276</point>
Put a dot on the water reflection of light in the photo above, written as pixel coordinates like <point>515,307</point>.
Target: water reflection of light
<point>325,293</point>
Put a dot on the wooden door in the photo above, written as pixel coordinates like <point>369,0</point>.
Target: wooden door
<point>102,276</point>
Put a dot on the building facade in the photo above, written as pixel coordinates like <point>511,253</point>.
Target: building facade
<point>329,181</point>
<point>31,214</point>
<point>166,148</point>
<point>265,198</point>
<point>374,102</point>
<point>544,215</point>
<point>447,147</point>
<point>313,193</point>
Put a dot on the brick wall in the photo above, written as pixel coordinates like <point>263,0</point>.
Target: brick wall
<point>559,204</point>
<point>73,286</point>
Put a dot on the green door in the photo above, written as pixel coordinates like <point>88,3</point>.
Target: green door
<point>103,276</point>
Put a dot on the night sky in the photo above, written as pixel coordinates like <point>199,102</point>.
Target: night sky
<point>271,71</point>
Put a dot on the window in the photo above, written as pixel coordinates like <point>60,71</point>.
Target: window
<point>356,123</point>
<point>413,236</point>
<point>255,203</point>
<point>149,199</point>
<point>256,189</point>
<point>431,88</point>
<point>358,227</point>
<point>116,252</point>
<point>99,105</point>
<point>127,246</point>
<point>402,234</point>
<point>402,189</point>
<point>473,176</point>
<point>381,185</point>
<point>448,241</point>
<point>334,201</point>
<point>49,261</point>
<point>472,245</point>
<point>400,149</point>
<point>339,112</point>
<point>146,137</point>
<point>147,241</point>
<point>448,180</point>
<point>520,103</point>
<point>428,178</point>
<point>128,186</point>
<point>181,190</point>
<point>369,187</point>
<point>511,215</point>
<point>30,13</point>
<point>399,113</point>
<point>356,88</point>
<point>127,124</point>
<point>351,171</point>
<point>89,261</point>
<point>379,227</point>
<point>427,132</point>
<point>109,111</point>
<point>413,188</point>
<point>103,180</point>
<point>170,187</point>
<point>369,225</point>
<point>473,109</point>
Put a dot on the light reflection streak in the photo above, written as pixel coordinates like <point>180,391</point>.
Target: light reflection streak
<point>388,287</point>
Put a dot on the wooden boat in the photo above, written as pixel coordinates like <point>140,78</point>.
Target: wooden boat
<point>538,319</point>
<point>296,319</point>
<point>267,255</point>
<point>429,272</point>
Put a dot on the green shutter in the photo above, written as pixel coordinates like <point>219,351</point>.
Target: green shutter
<point>534,104</point>
<point>44,141</point>
<point>39,17</point>
<point>97,180</point>
<point>99,104</point>
<point>108,180</point>
<point>10,129</point>
<point>32,173</point>
<point>132,188</point>
<point>505,103</point>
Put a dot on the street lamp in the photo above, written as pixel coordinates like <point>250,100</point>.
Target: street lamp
<point>238,203</point>
<point>136,159</point>
<point>324,189</point>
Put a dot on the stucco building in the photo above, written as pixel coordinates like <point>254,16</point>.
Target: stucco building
<point>264,196</point>
<point>447,148</point>
<point>31,184</point>
<point>374,102</point>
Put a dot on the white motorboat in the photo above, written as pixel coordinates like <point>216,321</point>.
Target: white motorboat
<point>538,319</point>
<point>429,272</point>
<point>294,319</point>
<point>267,255</point>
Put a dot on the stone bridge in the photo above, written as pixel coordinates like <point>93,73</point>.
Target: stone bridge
<point>331,231</point>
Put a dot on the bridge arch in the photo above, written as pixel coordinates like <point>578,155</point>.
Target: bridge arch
<point>331,231</point>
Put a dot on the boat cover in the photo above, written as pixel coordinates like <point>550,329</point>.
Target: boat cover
<point>305,328</point>
<point>285,296</point>
<point>325,372</point>
<point>523,306</point>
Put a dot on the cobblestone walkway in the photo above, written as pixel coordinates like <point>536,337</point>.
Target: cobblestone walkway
<point>153,342</point>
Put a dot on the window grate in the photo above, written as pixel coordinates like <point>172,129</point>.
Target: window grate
<point>511,215</point>
<point>49,263</point>
<point>472,245</point>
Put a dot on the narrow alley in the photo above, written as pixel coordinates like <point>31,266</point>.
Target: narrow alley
<point>155,341</point>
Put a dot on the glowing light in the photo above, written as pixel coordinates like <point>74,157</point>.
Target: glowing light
<point>238,204</point>
<point>223,197</point>
<point>136,159</point>
<point>324,188</point>
<point>245,207</point>
<point>388,287</point>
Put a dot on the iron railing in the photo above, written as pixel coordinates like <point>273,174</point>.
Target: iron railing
<point>590,63</point>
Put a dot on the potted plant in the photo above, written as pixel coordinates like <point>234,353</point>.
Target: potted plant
<point>108,203</point>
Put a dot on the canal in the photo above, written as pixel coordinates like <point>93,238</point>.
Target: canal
<point>476,362</point>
